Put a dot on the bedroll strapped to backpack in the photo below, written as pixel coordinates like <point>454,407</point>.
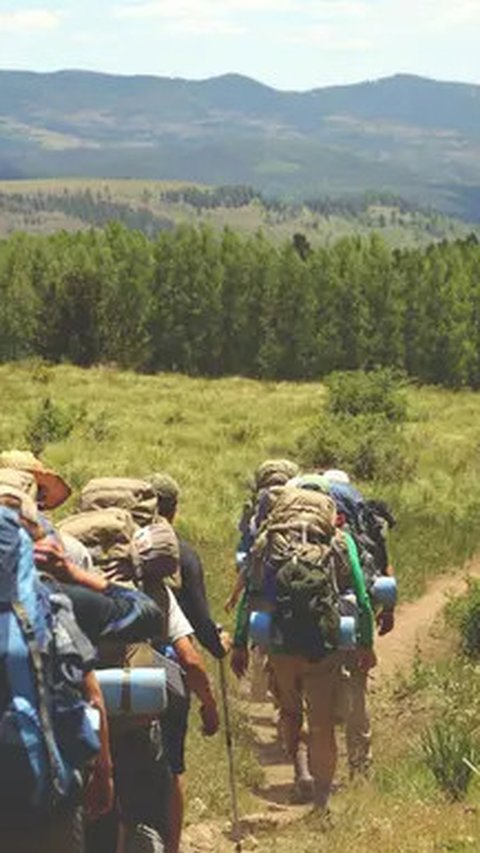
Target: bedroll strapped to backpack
<point>45,735</point>
<point>109,536</point>
<point>137,496</point>
<point>295,565</point>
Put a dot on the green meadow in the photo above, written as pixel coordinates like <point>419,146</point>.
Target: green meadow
<point>210,435</point>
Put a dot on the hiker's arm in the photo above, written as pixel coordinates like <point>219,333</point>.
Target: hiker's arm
<point>99,791</point>
<point>51,558</point>
<point>365,654</point>
<point>193,601</point>
<point>197,680</point>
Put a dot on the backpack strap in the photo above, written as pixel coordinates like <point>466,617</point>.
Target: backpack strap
<point>48,733</point>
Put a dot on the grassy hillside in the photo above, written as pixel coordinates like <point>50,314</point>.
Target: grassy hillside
<point>210,434</point>
<point>46,206</point>
<point>407,134</point>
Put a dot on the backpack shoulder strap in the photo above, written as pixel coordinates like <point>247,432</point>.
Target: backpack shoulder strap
<point>56,770</point>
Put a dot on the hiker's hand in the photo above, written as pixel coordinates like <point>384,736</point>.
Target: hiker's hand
<point>239,661</point>
<point>230,602</point>
<point>210,718</point>
<point>225,641</point>
<point>385,622</point>
<point>366,659</point>
<point>49,554</point>
<point>98,797</point>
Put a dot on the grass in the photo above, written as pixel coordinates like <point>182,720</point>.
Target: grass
<point>210,435</point>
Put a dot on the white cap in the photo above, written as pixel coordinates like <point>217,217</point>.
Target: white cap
<point>335,475</point>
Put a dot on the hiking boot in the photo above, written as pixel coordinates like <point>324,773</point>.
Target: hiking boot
<point>302,792</point>
<point>321,794</point>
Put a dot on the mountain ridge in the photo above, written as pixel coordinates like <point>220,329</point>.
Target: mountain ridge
<point>404,133</point>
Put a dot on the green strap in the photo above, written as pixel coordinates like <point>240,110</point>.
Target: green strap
<point>365,617</point>
<point>240,637</point>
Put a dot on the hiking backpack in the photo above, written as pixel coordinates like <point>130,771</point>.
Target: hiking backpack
<point>108,534</point>
<point>137,496</point>
<point>366,521</point>
<point>45,734</point>
<point>297,568</point>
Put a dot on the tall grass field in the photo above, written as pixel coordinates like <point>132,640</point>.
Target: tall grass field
<point>210,435</point>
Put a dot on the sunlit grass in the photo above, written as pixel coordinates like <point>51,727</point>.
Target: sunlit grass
<point>210,435</point>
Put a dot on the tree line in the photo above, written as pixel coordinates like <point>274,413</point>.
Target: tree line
<point>208,303</point>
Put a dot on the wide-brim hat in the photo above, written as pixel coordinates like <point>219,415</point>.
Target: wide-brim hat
<point>25,504</point>
<point>53,488</point>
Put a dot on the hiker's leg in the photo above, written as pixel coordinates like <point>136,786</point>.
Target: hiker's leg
<point>175,813</point>
<point>358,729</point>
<point>321,685</point>
<point>101,835</point>
<point>287,671</point>
<point>259,680</point>
<point>143,782</point>
<point>175,725</point>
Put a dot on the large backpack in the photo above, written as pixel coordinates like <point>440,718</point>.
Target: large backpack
<point>137,496</point>
<point>298,566</point>
<point>109,536</point>
<point>45,734</point>
<point>366,520</point>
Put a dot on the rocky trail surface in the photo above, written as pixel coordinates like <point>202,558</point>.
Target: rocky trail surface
<point>413,638</point>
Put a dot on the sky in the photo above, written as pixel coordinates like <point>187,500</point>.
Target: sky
<point>287,44</point>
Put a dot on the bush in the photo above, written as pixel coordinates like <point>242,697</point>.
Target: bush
<point>464,612</point>
<point>50,422</point>
<point>370,447</point>
<point>449,751</point>
<point>380,392</point>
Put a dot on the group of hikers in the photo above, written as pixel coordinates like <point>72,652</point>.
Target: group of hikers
<point>94,608</point>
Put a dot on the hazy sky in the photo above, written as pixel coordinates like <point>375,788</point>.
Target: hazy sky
<point>289,44</point>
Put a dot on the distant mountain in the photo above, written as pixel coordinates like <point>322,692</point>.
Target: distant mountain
<point>416,137</point>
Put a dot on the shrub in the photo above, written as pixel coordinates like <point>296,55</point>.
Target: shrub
<point>370,447</point>
<point>449,751</point>
<point>50,422</point>
<point>380,392</point>
<point>464,612</point>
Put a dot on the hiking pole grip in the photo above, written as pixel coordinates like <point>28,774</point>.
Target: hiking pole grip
<point>231,767</point>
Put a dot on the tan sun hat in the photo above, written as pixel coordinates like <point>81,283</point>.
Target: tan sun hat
<point>16,498</point>
<point>52,487</point>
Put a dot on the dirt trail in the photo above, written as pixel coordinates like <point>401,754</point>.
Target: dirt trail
<point>414,621</point>
<point>396,652</point>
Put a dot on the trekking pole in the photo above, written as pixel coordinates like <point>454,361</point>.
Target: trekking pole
<point>231,767</point>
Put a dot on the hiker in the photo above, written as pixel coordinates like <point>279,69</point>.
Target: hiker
<point>142,772</point>
<point>41,798</point>
<point>367,522</point>
<point>268,478</point>
<point>300,567</point>
<point>139,763</point>
<point>191,596</point>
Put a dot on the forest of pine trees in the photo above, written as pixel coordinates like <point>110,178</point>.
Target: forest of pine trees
<point>204,303</point>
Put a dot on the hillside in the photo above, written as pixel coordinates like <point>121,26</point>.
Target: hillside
<point>419,138</point>
<point>46,206</point>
